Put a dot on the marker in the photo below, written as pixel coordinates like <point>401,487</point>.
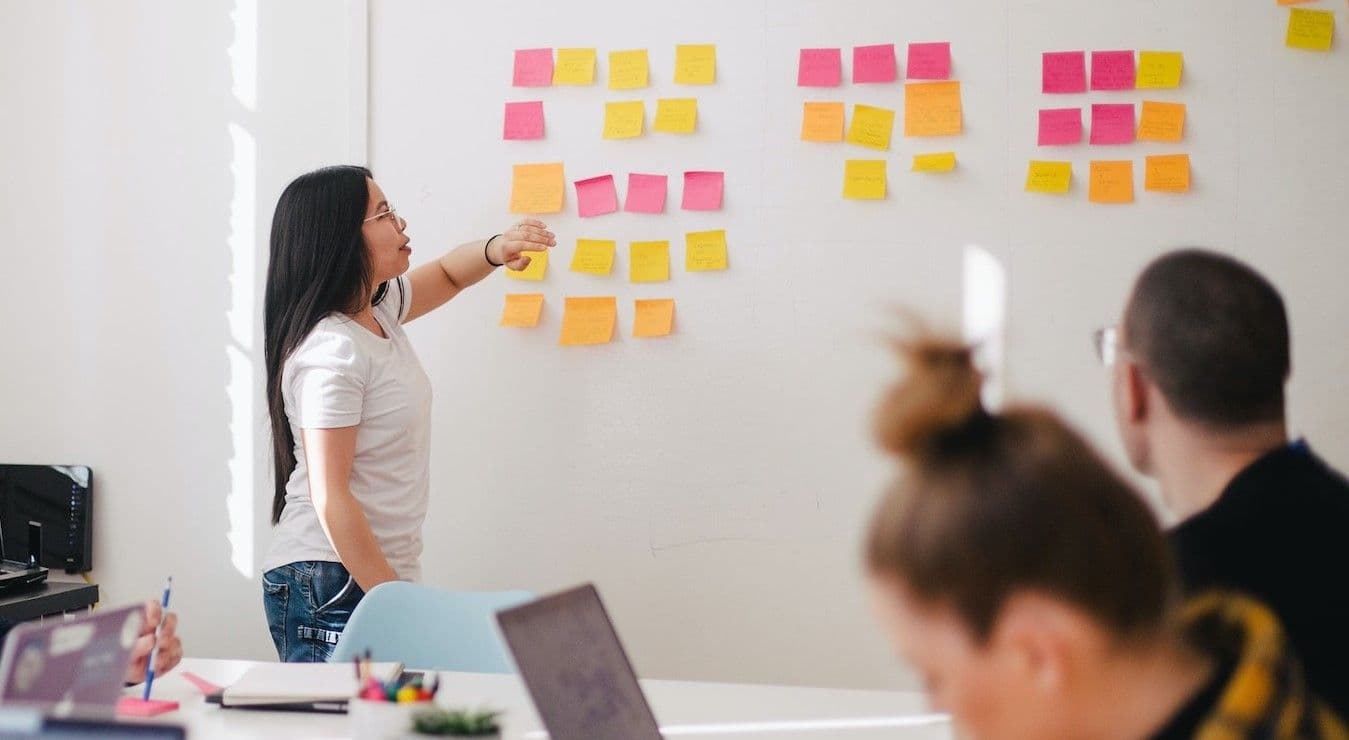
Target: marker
<point>154,649</point>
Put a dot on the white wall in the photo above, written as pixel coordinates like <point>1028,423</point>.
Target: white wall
<point>714,484</point>
<point>144,145</point>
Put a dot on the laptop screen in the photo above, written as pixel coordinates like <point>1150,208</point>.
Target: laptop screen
<point>576,670</point>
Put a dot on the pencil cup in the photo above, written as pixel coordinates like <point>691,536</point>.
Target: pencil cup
<point>382,720</point>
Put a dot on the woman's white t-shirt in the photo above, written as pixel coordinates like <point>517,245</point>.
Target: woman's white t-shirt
<point>344,375</point>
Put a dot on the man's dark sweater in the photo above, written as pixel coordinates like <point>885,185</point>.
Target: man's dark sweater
<point>1280,532</point>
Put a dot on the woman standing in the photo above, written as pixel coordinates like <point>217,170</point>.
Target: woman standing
<point>349,402</point>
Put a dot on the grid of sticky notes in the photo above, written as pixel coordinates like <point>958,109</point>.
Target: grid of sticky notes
<point>930,101</point>
<point>542,188</point>
<point>1111,119</point>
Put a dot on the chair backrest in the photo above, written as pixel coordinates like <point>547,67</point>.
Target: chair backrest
<point>430,628</point>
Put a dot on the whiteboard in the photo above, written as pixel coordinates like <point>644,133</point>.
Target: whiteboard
<point>714,484</point>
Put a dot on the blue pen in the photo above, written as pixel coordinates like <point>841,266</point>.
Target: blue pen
<point>154,649</point>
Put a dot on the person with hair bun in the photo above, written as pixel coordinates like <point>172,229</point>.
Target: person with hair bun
<point>1034,592</point>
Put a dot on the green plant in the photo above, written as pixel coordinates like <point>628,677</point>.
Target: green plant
<point>457,722</point>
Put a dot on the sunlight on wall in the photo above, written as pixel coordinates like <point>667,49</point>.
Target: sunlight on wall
<point>243,230</point>
<point>985,315</point>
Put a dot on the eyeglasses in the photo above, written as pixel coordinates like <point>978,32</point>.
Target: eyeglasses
<point>1106,342</point>
<point>392,216</point>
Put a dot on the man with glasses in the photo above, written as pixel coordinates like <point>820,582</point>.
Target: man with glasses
<point>1199,363</point>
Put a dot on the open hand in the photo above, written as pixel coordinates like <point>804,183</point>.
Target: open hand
<point>515,244</point>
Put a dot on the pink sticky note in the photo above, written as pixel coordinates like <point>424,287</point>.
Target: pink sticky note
<point>1064,72</point>
<point>1060,126</point>
<point>533,68</point>
<point>930,61</point>
<point>596,196</point>
<point>1112,70</point>
<point>646,193</point>
<point>523,120</point>
<point>820,68</point>
<point>134,706</point>
<point>873,63</point>
<point>702,191</point>
<point>1112,123</point>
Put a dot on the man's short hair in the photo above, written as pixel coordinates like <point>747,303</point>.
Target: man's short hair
<point>1212,333</point>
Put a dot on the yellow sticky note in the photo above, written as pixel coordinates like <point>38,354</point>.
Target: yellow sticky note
<point>593,256</point>
<point>1159,69</point>
<point>937,162</point>
<point>932,109</point>
<point>649,262</point>
<point>653,317</point>
<point>871,126</point>
<point>624,120</point>
<point>1049,177</point>
<point>1167,173</point>
<point>864,179</point>
<point>1112,181</point>
<point>588,320</point>
<point>537,268</point>
<point>522,310</point>
<point>1310,29</point>
<point>705,250</point>
<point>537,188</point>
<point>695,64</point>
<point>627,69</point>
<point>676,115</point>
<point>822,122</point>
<point>1161,121</point>
<point>574,67</point>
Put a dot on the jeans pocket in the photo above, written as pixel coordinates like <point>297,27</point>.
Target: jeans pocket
<point>276,605</point>
<point>334,591</point>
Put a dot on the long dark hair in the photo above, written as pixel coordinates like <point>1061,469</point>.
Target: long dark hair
<point>318,265</point>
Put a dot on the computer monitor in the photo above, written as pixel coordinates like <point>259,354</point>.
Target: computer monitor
<point>50,506</point>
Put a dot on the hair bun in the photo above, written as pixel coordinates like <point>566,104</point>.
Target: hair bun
<point>938,396</point>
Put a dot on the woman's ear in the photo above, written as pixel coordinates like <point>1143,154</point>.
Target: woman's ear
<point>1039,636</point>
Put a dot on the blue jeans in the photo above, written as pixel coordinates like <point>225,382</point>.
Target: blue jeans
<point>308,604</point>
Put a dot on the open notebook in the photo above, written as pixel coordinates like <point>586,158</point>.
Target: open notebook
<point>300,686</point>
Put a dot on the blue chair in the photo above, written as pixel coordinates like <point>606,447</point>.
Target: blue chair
<point>429,628</point>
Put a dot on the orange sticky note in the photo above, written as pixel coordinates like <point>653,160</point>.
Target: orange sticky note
<point>1112,181</point>
<point>1167,173</point>
<point>522,310</point>
<point>588,320</point>
<point>534,271</point>
<point>1161,121</point>
<point>871,126</point>
<point>932,108</point>
<point>537,188</point>
<point>705,250</point>
<point>649,262</point>
<point>822,122</point>
<point>653,317</point>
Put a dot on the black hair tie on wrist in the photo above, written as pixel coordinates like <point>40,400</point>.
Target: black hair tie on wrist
<point>488,257</point>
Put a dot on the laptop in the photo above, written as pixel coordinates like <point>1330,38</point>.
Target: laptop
<point>73,667</point>
<point>576,670</point>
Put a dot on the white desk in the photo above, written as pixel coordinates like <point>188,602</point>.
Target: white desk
<point>684,708</point>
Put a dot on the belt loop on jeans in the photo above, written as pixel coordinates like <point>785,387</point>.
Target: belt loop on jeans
<point>313,633</point>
